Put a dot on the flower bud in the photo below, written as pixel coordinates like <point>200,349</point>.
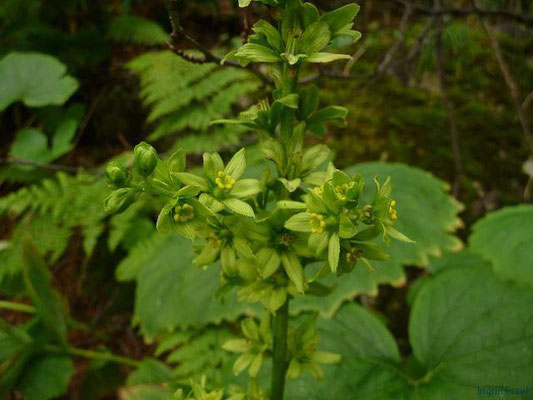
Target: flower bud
<point>145,159</point>
<point>119,200</point>
<point>116,173</point>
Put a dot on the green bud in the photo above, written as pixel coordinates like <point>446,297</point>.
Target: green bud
<point>119,200</point>
<point>116,173</point>
<point>145,159</point>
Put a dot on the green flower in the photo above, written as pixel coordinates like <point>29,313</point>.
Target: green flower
<point>253,347</point>
<point>221,187</point>
<point>303,36</point>
<point>186,215</point>
<point>327,220</point>
<point>224,240</point>
<point>199,392</point>
<point>302,346</point>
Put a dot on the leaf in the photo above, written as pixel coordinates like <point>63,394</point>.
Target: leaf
<point>505,237</point>
<point>132,29</point>
<point>455,339</point>
<point>420,198</point>
<point>171,292</point>
<point>456,344</point>
<point>315,38</point>
<point>366,347</point>
<point>290,101</point>
<point>272,34</point>
<point>308,102</point>
<point>43,296</point>
<point>328,114</point>
<point>339,18</point>
<point>150,371</point>
<point>257,53</point>
<point>326,57</point>
<point>35,79</point>
<point>45,377</point>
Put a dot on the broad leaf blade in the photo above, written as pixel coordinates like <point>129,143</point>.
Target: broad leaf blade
<point>35,79</point>
<point>43,296</point>
<point>506,238</point>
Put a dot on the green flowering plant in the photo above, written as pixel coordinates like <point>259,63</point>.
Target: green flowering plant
<point>267,233</point>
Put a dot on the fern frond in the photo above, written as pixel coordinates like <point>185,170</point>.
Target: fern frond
<point>197,353</point>
<point>183,96</point>
<point>136,30</point>
<point>70,201</point>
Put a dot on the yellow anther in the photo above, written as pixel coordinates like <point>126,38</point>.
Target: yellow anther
<point>393,214</point>
<point>353,255</point>
<point>224,181</point>
<point>214,239</point>
<point>317,223</point>
<point>183,213</point>
<point>318,190</point>
<point>351,258</point>
<point>342,190</point>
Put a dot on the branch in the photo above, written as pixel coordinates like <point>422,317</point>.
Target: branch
<point>511,84</point>
<point>50,167</point>
<point>179,33</point>
<point>454,135</point>
<point>383,66</point>
<point>465,12</point>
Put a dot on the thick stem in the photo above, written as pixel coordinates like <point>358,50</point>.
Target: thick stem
<point>279,356</point>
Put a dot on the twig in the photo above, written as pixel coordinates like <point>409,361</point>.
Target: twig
<point>383,66</point>
<point>454,136</point>
<point>88,116</point>
<point>351,62</point>
<point>465,12</point>
<point>50,167</point>
<point>179,33</point>
<point>527,101</point>
<point>510,82</point>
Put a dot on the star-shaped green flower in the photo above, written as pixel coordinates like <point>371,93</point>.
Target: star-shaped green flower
<point>220,187</point>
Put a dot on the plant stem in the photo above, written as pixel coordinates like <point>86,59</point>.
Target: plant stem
<point>9,305</point>
<point>279,357</point>
<point>94,355</point>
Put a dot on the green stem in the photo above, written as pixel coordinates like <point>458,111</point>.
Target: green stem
<point>94,355</point>
<point>9,305</point>
<point>279,356</point>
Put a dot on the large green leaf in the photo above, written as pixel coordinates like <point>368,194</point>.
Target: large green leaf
<point>41,292</point>
<point>45,377</point>
<point>427,215</point>
<point>468,329</point>
<point>35,79</point>
<point>171,291</point>
<point>369,358</point>
<point>505,237</point>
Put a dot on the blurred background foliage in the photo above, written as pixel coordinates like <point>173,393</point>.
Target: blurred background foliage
<point>424,88</point>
